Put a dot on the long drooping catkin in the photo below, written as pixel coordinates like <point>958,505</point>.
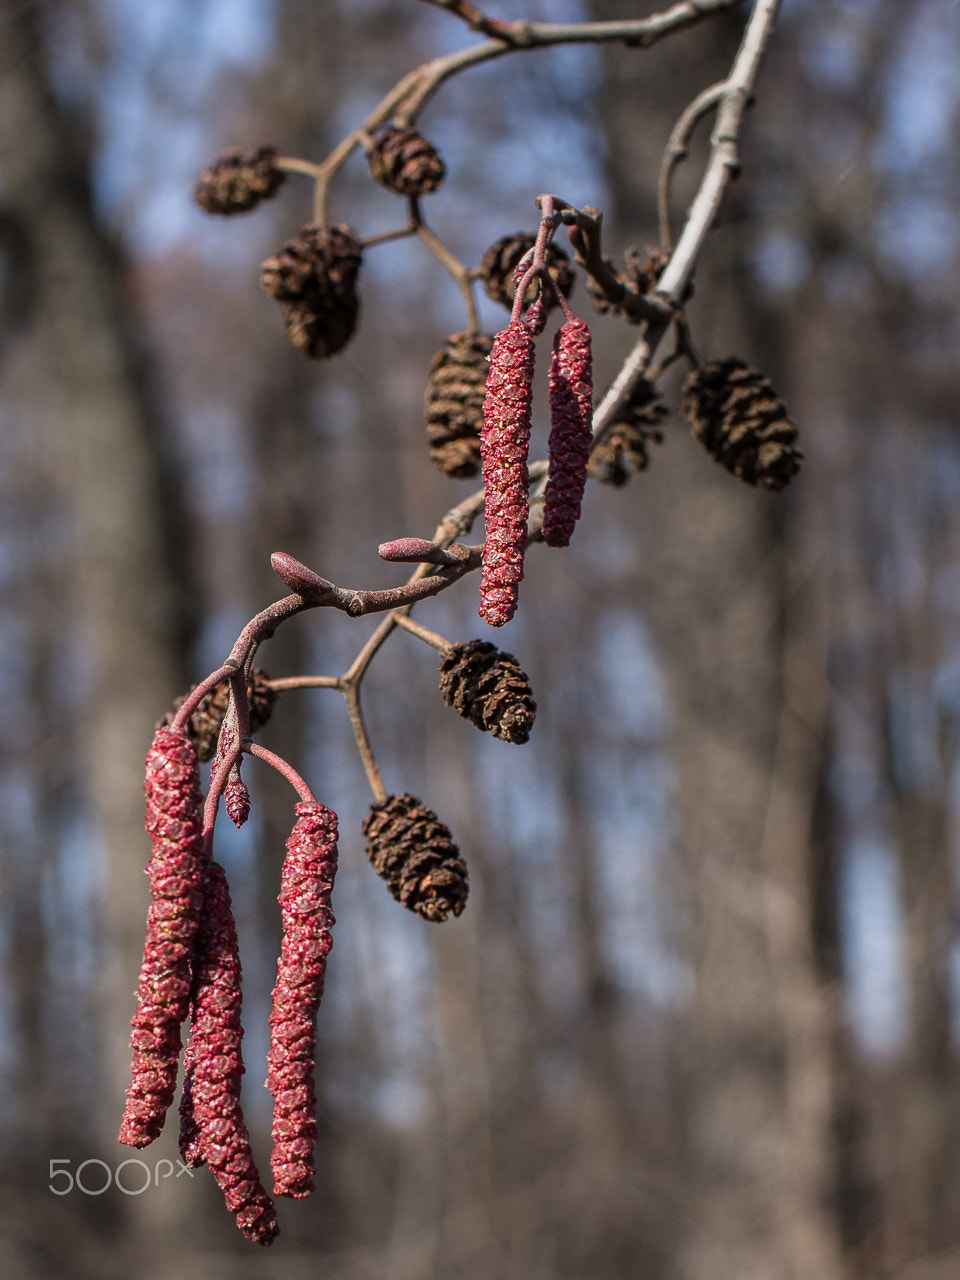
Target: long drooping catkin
<point>306,886</point>
<point>174,821</point>
<point>504,444</point>
<point>571,434</point>
<point>212,1128</point>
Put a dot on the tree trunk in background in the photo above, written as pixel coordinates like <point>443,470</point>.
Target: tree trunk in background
<point>126,594</point>
<point>745,667</point>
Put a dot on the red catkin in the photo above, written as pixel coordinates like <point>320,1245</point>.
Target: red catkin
<point>174,820</point>
<point>504,443</point>
<point>571,434</point>
<point>212,1128</point>
<point>306,886</point>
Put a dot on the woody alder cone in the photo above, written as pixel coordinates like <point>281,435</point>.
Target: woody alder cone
<point>238,181</point>
<point>488,687</point>
<point>454,403</point>
<point>624,446</point>
<point>314,278</point>
<point>736,415</point>
<point>500,261</point>
<point>413,851</point>
<point>405,162</point>
<point>203,727</point>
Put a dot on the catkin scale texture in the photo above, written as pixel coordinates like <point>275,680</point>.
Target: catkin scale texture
<point>212,1128</point>
<point>174,821</point>
<point>571,433</point>
<point>305,891</point>
<point>504,444</point>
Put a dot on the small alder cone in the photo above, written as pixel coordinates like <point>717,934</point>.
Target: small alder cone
<point>504,444</point>
<point>203,727</point>
<point>405,162</point>
<point>414,852</point>
<point>174,821</point>
<point>636,278</point>
<point>314,278</point>
<point>625,445</point>
<point>500,261</point>
<point>212,1128</point>
<point>571,431</point>
<point>736,415</point>
<point>488,687</point>
<point>238,180</point>
<point>306,886</point>
<point>454,403</point>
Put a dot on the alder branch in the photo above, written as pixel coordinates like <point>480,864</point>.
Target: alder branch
<point>677,149</point>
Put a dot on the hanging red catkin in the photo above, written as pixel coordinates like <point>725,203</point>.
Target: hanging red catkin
<point>212,1128</point>
<point>504,443</point>
<point>571,432</point>
<point>174,821</point>
<point>305,889</point>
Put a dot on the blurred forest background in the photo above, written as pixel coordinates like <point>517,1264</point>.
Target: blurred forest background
<point>699,1020</point>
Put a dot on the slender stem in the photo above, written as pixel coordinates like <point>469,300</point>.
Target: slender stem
<point>283,768</point>
<point>293,164</point>
<point>303,682</point>
<point>399,233</point>
<point>676,150</point>
<point>456,269</point>
<point>724,159</point>
<point>430,637</point>
<point>352,695</point>
<point>193,699</point>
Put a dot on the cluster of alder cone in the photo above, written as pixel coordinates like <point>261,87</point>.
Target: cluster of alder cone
<point>478,408</point>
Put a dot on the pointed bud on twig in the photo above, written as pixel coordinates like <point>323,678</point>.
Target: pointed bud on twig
<point>571,431</point>
<point>306,887</point>
<point>421,551</point>
<point>300,579</point>
<point>504,444</point>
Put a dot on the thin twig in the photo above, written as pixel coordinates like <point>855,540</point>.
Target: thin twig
<point>423,633</point>
<point>676,150</point>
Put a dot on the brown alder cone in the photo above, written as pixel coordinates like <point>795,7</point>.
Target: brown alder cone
<point>203,727</point>
<point>504,444</point>
<point>413,851</point>
<point>500,261</point>
<point>238,180</point>
<point>454,403</point>
<point>738,418</point>
<point>571,431</point>
<point>624,446</point>
<point>212,1128</point>
<point>314,279</point>
<point>487,687</point>
<point>405,162</point>
<point>175,823</point>
<point>306,887</point>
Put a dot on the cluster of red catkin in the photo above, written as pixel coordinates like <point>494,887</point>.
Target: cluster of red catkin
<point>191,969</point>
<point>505,443</point>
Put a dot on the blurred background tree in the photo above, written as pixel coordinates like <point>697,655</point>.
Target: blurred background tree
<point>699,1018</point>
